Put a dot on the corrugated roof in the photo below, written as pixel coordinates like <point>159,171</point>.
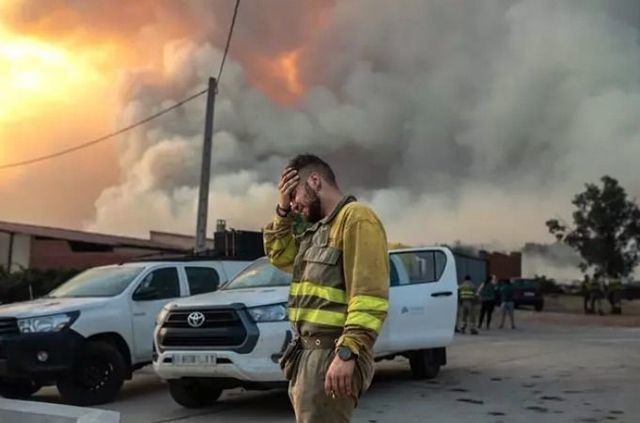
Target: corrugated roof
<point>81,236</point>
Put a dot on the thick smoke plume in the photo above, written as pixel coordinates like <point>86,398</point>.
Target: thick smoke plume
<point>457,120</point>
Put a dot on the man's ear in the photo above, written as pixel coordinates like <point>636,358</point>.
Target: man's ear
<point>315,182</point>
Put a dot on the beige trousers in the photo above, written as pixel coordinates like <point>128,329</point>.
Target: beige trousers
<point>306,388</point>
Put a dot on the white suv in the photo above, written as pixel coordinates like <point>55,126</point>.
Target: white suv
<point>235,336</point>
<point>89,335</point>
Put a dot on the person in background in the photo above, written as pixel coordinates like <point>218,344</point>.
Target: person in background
<point>488,296</point>
<point>586,286</point>
<point>596,294</point>
<point>614,291</point>
<point>506,296</point>
<point>467,296</point>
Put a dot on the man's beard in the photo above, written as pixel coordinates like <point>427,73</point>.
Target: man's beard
<point>314,207</point>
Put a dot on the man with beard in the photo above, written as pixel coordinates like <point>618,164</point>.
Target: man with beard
<point>338,299</point>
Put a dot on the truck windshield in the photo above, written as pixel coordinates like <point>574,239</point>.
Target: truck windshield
<point>260,274</point>
<point>98,282</point>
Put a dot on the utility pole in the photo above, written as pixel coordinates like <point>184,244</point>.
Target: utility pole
<point>205,174</point>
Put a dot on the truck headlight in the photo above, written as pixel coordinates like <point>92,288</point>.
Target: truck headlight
<point>163,315</point>
<point>270,313</point>
<point>52,323</point>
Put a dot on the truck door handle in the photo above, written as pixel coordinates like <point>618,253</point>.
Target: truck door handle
<point>442,294</point>
<point>140,314</point>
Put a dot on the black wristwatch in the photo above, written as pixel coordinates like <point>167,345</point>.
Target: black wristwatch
<point>345,354</point>
<point>282,212</point>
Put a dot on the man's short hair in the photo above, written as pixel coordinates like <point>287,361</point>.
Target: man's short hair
<point>313,163</point>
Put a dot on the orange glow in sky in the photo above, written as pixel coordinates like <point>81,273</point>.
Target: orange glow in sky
<point>287,64</point>
<point>36,74</point>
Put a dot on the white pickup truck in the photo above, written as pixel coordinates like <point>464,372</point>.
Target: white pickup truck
<point>235,336</point>
<point>89,335</point>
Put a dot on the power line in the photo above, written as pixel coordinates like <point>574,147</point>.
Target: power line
<point>104,137</point>
<point>136,124</point>
<point>226,48</point>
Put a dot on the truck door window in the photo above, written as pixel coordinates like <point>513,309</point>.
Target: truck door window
<point>423,266</point>
<point>158,285</point>
<point>202,279</point>
<point>394,279</point>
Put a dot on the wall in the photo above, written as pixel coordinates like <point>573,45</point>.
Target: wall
<point>5,238</point>
<point>475,267</point>
<point>15,251</point>
<point>505,266</point>
<point>56,254</point>
<point>21,253</point>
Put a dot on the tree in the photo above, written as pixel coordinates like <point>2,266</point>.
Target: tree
<point>606,230</point>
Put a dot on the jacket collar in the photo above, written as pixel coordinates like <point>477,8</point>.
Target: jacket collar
<point>328,218</point>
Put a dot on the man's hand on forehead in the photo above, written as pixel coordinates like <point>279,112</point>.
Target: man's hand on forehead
<point>288,181</point>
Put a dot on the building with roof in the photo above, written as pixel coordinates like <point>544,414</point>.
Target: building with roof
<point>25,246</point>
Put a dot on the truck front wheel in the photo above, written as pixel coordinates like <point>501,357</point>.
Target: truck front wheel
<point>194,393</point>
<point>96,377</point>
<point>423,364</point>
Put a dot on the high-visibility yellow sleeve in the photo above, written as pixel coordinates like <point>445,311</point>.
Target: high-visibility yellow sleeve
<point>279,243</point>
<point>366,271</point>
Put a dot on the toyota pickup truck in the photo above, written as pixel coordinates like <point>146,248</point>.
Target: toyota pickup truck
<point>235,336</point>
<point>89,335</point>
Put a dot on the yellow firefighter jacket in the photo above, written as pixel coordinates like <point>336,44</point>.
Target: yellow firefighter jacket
<point>467,291</point>
<point>340,269</point>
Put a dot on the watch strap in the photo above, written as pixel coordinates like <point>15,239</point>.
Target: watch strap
<point>282,212</point>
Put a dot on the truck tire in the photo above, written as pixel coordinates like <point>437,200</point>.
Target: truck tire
<point>423,365</point>
<point>194,393</point>
<point>96,377</point>
<point>18,388</point>
<point>539,306</point>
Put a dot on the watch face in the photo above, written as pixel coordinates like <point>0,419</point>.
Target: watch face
<point>345,354</point>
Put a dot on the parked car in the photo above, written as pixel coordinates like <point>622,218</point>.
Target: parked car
<point>89,335</point>
<point>527,292</point>
<point>235,336</point>
<point>631,291</point>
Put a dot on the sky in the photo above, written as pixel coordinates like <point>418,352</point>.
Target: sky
<point>457,120</point>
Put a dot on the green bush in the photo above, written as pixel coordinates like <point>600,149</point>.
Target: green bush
<point>31,283</point>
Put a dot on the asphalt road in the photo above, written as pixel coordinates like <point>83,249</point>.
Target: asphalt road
<point>539,372</point>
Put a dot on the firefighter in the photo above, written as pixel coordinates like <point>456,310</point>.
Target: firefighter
<point>615,295</point>
<point>596,294</point>
<point>488,293</point>
<point>586,286</point>
<point>507,304</point>
<point>338,298</point>
<point>467,297</point>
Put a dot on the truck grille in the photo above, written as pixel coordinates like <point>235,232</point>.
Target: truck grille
<point>221,328</point>
<point>8,326</point>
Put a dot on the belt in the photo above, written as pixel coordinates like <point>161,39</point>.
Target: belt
<point>318,342</point>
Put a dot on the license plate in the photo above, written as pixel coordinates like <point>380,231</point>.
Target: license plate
<point>194,360</point>
<point>529,294</point>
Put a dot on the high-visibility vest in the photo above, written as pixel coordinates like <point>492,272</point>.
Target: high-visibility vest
<point>615,285</point>
<point>467,291</point>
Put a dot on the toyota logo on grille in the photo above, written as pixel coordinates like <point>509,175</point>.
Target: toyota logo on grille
<point>195,319</point>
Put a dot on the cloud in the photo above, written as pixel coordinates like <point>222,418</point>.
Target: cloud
<point>458,120</point>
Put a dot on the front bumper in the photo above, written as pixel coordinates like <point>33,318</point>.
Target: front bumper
<point>258,366</point>
<point>19,353</point>
<point>530,301</point>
